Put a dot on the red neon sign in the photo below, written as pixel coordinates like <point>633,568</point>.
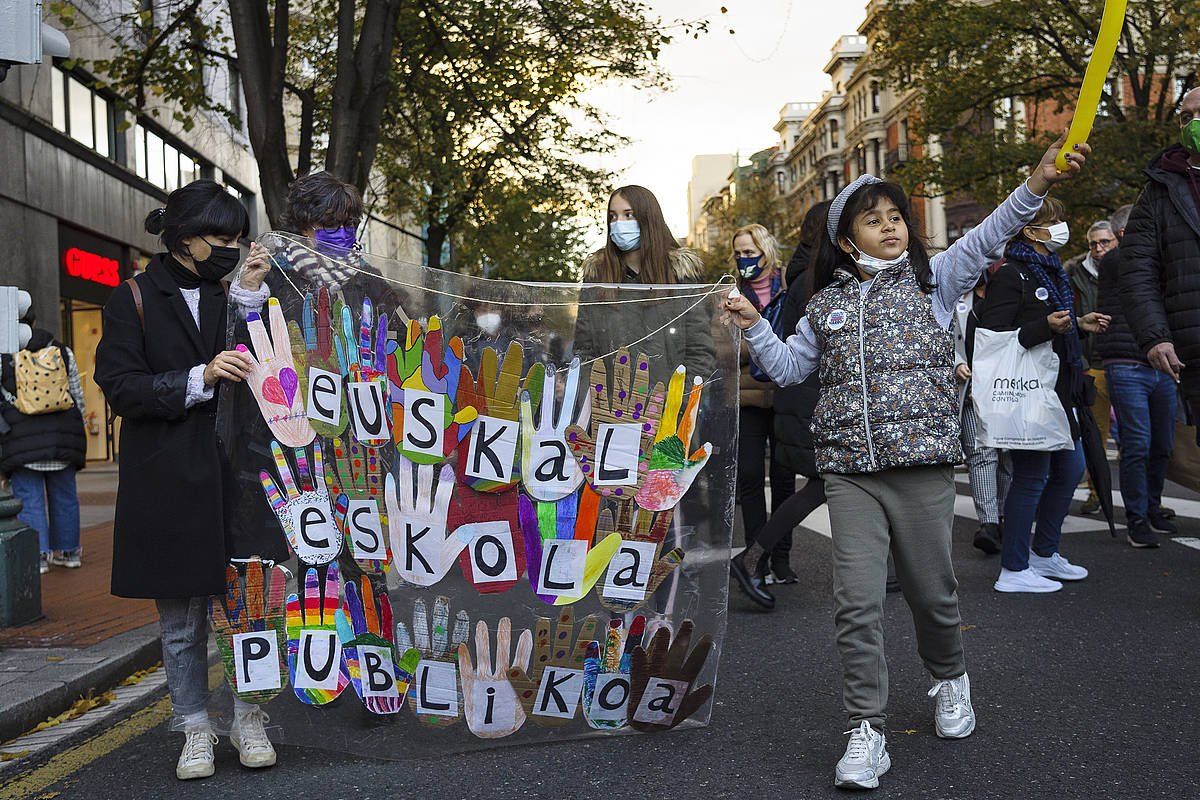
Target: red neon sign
<point>92,267</point>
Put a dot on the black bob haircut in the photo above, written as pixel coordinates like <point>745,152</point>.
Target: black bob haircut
<point>202,208</point>
<point>829,257</point>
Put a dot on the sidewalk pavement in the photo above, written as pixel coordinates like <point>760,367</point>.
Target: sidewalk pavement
<point>87,640</point>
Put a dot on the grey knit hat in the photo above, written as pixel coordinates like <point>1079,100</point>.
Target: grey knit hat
<point>843,197</point>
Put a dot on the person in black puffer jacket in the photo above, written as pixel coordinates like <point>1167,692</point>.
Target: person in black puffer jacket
<point>1145,401</point>
<point>1160,268</point>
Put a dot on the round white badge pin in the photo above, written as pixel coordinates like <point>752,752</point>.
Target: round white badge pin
<point>836,319</point>
<point>962,306</point>
<point>1041,293</point>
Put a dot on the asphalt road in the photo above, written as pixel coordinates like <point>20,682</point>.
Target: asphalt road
<point>1087,693</point>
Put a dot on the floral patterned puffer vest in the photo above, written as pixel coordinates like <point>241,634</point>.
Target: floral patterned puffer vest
<point>888,397</point>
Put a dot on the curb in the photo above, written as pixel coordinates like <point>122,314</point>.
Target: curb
<point>38,683</point>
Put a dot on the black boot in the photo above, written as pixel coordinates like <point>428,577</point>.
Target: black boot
<point>753,585</point>
<point>987,538</point>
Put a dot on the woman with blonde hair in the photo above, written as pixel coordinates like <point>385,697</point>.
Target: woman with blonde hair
<point>755,255</point>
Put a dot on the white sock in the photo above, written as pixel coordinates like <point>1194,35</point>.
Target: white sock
<point>196,722</point>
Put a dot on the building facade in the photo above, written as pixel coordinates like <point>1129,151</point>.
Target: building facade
<point>710,174</point>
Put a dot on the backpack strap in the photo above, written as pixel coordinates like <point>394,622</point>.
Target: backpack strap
<point>136,291</point>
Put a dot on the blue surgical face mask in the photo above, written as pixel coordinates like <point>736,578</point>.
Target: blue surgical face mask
<point>873,265</point>
<point>750,267</point>
<point>344,237</point>
<point>626,234</point>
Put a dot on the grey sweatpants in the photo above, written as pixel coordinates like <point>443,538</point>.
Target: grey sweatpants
<point>916,504</point>
<point>184,626</point>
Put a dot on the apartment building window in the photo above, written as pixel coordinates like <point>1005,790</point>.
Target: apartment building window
<point>833,134</point>
<point>874,97</point>
<point>81,113</point>
<point>160,162</point>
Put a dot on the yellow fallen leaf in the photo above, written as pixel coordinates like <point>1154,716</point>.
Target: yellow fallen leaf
<point>14,756</point>
<point>138,676</point>
<point>77,709</point>
<point>54,659</point>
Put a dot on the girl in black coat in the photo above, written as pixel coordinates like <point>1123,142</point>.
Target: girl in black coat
<point>159,362</point>
<point>1031,294</point>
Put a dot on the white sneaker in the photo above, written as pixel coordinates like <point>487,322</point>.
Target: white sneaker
<point>953,715</point>
<point>1056,567</point>
<point>1024,581</point>
<point>196,760</point>
<point>250,738</point>
<point>865,760</point>
<point>71,559</point>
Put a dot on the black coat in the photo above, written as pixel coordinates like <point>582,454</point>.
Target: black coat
<point>1160,269</point>
<point>1012,305</point>
<point>794,404</point>
<point>169,535</point>
<point>1118,342</point>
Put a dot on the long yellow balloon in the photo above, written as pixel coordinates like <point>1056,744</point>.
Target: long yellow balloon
<point>1094,79</point>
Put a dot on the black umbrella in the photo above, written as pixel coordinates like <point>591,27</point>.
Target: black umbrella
<point>1096,457</point>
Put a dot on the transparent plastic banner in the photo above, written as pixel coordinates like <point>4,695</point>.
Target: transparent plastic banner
<point>502,511</point>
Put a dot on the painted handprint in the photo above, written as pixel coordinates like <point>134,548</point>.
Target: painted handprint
<point>424,376</point>
<point>435,695</point>
<point>672,469</point>
<point>663,676</point>
<point>366,387</point>
<point>563,562</point>
<point>423,548</point>
<point>490,703</point>
<point>606,674</point>
<point>489,526</point>
<point>250,631</point>
<point>487,460</point>
<point>328,363</point>
<point>614,452</point>
<point>356,480</point>
<point>364,626</point>
<point>315,664</point>
<point>548,470</point>
<point>636,570</point>
<point>550,691</point>
<point>277,376</point>
<point>302,507</point>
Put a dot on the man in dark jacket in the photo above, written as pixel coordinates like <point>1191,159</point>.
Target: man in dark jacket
<point>1145,402</point>
<point>1160,265</point>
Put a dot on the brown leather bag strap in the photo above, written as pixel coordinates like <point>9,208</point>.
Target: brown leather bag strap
<point>137,301</point>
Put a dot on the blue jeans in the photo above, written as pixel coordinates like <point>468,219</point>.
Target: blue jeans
<point>49,505</point>
<point>1145,400</point>
<point>1042,486</point>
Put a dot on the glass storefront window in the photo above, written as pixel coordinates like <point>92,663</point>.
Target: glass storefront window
<point>100,117</point>
<point>171,167</point>
<point>139,150</point>
<point>154,160</point>
<point>79,108</point>
<point>58,100</point>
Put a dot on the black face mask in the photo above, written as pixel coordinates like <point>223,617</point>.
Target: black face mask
<point>220,262</point>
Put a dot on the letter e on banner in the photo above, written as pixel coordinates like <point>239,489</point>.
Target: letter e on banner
<point>561,570</point>
<point>629,571</point>
<point>491,550</point>
<point>318,660</point>
<point>617,448</point>
<point>366,530</point>
<point>492,450</point>
<point>316,538</point>
<point>610,699</point>
<point>256,661</point>
<point>660,702</point>
<point>437,688</point>
<point>378,675</point>
<point>558,693</point>
<point>324,396</point>
<point>368,412</point>
<point>424,422</point>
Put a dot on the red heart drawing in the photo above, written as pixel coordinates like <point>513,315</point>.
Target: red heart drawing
<point>273,391</point>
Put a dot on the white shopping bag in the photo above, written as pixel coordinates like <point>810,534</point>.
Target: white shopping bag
<point>1013,392</point>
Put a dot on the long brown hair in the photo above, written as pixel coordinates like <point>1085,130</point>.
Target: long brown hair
<point>656,245</point>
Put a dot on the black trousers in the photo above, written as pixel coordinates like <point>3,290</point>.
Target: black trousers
<point>755,437</point>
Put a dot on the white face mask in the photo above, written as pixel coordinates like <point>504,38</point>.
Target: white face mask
<point>1060,234</point>
<point>489,323</point>
<point>872,265</point>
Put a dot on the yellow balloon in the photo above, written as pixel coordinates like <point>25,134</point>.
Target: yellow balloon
<point>1094,79</point>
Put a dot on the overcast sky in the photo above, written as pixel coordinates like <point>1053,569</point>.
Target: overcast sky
<point>728,89</point>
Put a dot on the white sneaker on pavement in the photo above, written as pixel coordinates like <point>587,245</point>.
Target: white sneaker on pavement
<point>953,715</point>
<point>1056,567</point>
<point>1025,580</point>
<point>249,737</point>
<point>865,760</point>
<point>196,760</point>
<point>71,559</point>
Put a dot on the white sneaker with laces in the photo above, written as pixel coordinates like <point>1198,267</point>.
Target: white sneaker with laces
<point>71,559</point>
<point>1025,580</point>
<point>196,760</point>
<point>250,738</point>
<point>1056,567</point>
<point>953,715</point>
<point>865,760</point>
